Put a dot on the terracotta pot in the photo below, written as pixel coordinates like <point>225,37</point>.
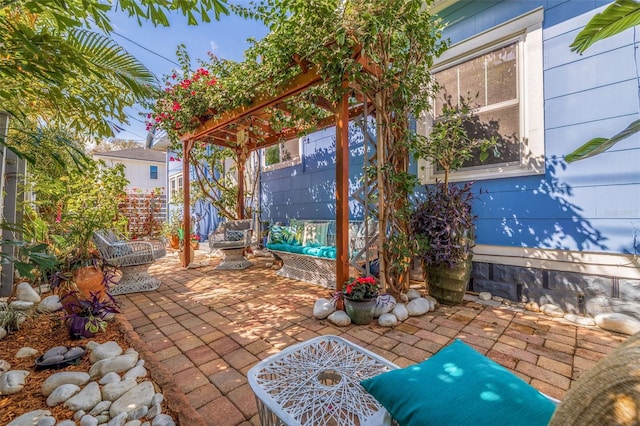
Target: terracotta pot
<point>195,245</point>
<point>90,279</point>
<point>174,241</point>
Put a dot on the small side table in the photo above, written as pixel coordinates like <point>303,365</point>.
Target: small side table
<point>317,382</point>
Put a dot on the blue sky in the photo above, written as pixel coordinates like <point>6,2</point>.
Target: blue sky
<point>226,38</point>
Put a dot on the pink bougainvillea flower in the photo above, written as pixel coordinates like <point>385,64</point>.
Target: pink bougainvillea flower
<point>185,83</point>
<point>212,82</point>
<point>176,106</point>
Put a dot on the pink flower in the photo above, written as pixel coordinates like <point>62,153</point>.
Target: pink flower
<point>212,82</point>
<point>176,106</point>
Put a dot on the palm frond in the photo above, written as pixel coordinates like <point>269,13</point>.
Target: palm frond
<point>618,17</point>
<point>598,145</point>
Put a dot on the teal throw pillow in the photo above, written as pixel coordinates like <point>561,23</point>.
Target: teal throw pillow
<point>459,386</point>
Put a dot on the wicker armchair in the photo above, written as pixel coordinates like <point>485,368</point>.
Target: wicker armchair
<point>232,237</point>
<point>132,258</point>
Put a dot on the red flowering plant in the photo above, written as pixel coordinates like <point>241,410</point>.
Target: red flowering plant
<point>195,237</point>
<point>361,288</point>
<point>191,97</point>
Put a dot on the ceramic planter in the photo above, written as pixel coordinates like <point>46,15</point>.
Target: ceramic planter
<point>448,285</point>
<point>360,311</point>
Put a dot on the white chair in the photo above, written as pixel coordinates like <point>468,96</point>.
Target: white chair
<point>232,237</point>
<point>133,258</point>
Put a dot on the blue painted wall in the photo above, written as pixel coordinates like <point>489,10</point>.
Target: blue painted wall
<point>307,190</point>
<point>591,205</point>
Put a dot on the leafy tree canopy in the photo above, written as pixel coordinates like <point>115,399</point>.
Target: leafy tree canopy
<point>58,64</point>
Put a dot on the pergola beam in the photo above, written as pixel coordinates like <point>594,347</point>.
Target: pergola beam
<point>296,85</point>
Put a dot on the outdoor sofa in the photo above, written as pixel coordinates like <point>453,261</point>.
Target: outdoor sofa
<point>308,248</point>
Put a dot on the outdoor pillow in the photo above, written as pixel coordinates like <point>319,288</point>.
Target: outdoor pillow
<point>315,234</point>
<point>120,248</point>
<point>283,235</point>
<point>233,235</point>
<point>310,235</point>
<point>459,386</point>
<point>297,226</point>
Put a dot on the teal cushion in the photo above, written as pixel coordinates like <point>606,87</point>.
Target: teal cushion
<point>327,252</point>
<point>459,386</point>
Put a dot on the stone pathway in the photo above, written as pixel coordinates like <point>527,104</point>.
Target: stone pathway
<point>206,328</point>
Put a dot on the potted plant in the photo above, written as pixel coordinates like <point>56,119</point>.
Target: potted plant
<point>88,316</point>
<point>195,241</point>
<point>443,225</point>
<point>360,296</point>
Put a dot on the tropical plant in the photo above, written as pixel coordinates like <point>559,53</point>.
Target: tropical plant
<point>52,55</point>
<point>90,313</point>
<point>75,204</point>
<point>443,225</point>
<point>456,137</point>
<point>11,318</point>
<point>617,17</point>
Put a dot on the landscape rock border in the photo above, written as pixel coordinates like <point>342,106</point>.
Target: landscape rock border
<point>390,313</point>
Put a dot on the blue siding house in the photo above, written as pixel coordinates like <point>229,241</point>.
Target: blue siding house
<point>547,231</point>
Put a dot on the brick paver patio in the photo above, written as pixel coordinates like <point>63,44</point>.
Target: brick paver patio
<point>209,327</point>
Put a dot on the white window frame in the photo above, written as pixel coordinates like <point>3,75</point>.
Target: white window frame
<point>282,164</point>
<point>179,183</point>
<point>526,31</point>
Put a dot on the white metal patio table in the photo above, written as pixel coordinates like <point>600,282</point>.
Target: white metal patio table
<point>317,382</point>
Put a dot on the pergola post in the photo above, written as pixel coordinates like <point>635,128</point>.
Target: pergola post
<point>186,215</point>
<point>342,190</point>
<point>241,160</point>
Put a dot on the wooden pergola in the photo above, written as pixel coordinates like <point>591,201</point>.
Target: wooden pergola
<point>246,129</point>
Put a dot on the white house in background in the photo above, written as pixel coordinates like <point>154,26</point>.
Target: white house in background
<point>146,169</point>
<point>145,204</point>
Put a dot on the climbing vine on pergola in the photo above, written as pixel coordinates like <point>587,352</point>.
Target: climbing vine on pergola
<point>323,63</point>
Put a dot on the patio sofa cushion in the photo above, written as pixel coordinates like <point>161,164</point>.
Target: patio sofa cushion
<point>459,386</point>
<point>326,252</point>
<point>284,235</point>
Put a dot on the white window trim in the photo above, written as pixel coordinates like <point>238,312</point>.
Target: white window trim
<point>175,178</point>
<point>282,164</point>
<point>528,29</point>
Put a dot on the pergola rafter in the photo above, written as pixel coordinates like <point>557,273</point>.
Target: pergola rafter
<point>248,128</point>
